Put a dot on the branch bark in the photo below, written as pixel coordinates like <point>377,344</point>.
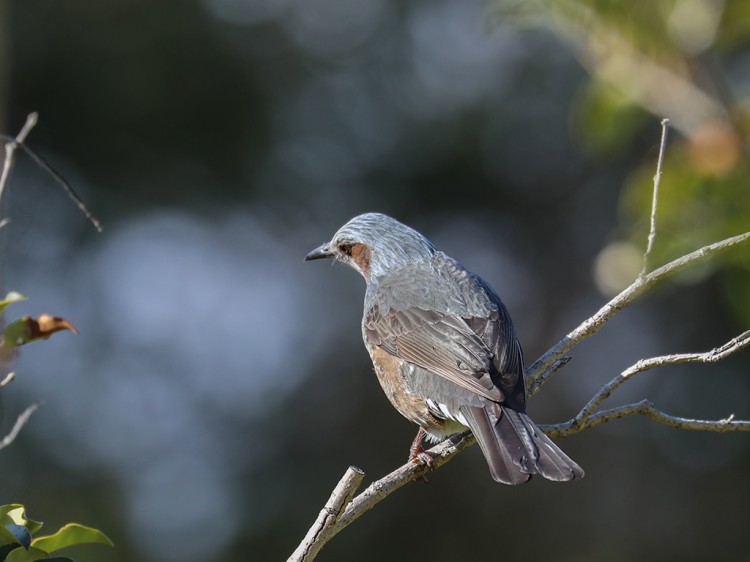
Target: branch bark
<point>322,530</point>
<point>646,408</point>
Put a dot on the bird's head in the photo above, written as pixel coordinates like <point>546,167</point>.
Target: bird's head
<point>375,244</point>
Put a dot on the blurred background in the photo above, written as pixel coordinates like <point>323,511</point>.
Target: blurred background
<point>219,387</point>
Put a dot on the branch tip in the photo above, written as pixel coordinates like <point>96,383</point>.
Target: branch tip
<point>655,196</point>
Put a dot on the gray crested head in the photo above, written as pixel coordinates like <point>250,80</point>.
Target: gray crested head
<point>375,244</point>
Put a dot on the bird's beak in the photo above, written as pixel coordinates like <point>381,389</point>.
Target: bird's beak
<point>319,253</point>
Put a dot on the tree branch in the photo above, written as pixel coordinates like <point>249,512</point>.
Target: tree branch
<point>331,520</point>
<point>655,196</point>
<point>10,150</point>
<point>9,378</point>
<point>542,369</point>
<point>20,422</point>
<point>589,417</point>
<point>373,494</point>
<point>647,409</point>
<point>716,354</point>
<point>20,142</point>
<point>381,489</point>
<point>322,530</point>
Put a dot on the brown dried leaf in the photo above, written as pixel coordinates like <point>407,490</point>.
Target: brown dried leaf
<point>27,329</point>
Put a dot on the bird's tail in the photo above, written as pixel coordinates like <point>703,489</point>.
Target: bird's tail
<point>515,448</point>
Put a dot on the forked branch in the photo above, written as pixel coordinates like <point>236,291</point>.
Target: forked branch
<point>543,368</point>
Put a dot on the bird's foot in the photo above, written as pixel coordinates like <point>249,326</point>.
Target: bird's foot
<point>418,455</point>
<point>423,457</point>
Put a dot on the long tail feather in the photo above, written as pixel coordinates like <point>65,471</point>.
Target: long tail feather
<point>515,448</point>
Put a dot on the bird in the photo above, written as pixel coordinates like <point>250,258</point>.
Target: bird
<point>444,349</point>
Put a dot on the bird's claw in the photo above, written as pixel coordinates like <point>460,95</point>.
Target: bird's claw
<point>423,457</point>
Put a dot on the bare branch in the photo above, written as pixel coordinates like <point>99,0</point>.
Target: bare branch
<point>379,490</point>
<point>20,142</point>
<point>328,524</point>
<point>589,417</point>
<point>647,409</point>
<point>331,520</point>
<point>10,149</point>
<point>7,379</point>
<point>637,288</point>
<point>716,354</point>
<point>321,531</point>
<point>374,494</point>
<point>20,422</point>
<point>655,197</point>
<point>71,193</point>
<point>546,374</point>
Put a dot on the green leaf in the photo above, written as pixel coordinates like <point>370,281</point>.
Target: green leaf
<point>10,298</point>
<point>8,537</point>
<point>31,555</point>
<point>15,513</point>
<point>8,507</point>
<point>21,533</point>
<point>70,535</point>
<point>7,549</point>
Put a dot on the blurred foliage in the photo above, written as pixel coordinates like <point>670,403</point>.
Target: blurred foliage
<point>673,59</point>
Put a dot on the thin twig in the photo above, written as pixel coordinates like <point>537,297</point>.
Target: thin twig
<point>20,142</point>
<point>655,197</point>
<point>647,409</point>
<point>544,375</point>
<point>637,288</point>
<point>8,379</point>
<point>71,193</point>
<point>10,149</point>
<point>20,422</point>
<point>712,356</point>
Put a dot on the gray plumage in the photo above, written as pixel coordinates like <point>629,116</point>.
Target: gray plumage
<point>444,347</point>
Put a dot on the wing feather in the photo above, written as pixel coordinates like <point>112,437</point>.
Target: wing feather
<point>440,343</point>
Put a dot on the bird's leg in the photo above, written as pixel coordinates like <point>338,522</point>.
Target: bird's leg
<point>417,454</point>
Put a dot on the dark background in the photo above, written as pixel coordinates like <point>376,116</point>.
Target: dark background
<point>219,387</point>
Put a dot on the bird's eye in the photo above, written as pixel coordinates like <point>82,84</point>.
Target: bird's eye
<point>345,249</point>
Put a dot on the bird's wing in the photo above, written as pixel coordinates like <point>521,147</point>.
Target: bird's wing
<point>461,350</point>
